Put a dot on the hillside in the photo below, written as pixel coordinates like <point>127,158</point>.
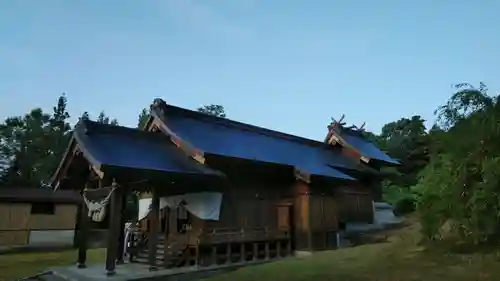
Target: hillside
<point>400,258</point>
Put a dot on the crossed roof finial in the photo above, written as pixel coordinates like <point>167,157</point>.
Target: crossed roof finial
<point>362,127</point>
<point>340,124</point>
<point>335,122</point>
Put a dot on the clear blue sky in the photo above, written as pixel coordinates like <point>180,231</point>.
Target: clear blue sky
<point>286,65</point>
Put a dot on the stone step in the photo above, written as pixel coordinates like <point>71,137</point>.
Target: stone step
<point>171,260</point>
<point>145,256</point>
<point>158,251</point>
<point>164,255</point>
<point>141,260</point>
<point>169,253</point>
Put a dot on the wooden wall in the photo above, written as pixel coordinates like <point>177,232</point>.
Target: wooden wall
<point>14,237</point>
<point>16,221</point>
<point>324,221</point>
<point>248,207</point>
<point>315,215</point>
<point>63,218</point>
<point>244,206</point>
<point>355,204</point>
<point>317,209</point>
<point>301,219</point>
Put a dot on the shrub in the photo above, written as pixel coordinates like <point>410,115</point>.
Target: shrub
<point>403,199</point>
<point>404,206</point>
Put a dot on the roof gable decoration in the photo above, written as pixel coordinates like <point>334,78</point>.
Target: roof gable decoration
<point>334,136</point>
<point>351,138</point>
<point>155,123</point>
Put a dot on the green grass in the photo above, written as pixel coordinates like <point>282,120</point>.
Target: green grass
<point>401,258</point>
<point>15,266</point>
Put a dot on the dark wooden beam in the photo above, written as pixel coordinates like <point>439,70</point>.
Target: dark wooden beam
<point>115,209</point>
<point>166,216</point>
<point>63,167</point>
<point>83,234</point>
<point>188,148</point>
<point>153,229</point>
<point>302,175</point>
<point>121,241</point>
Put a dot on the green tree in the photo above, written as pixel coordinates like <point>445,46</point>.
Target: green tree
<point>27,144</point>
<point>31,145</point>
<point>213,109</point>
<point>461,184</point>
<point>408,141</point>
<point>101,118</point>
<point>467,100</point>
<point>60,134</point>
<point>143,118</point>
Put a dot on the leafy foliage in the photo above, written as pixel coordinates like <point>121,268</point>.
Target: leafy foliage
<point>407,140</point>
<point>31,145</point>
<point>461,184</point>
<point>143,118</point>
<point>451,171</point>
<point>465,101</point>
<point>101,118</point>
<point>213,109</point>
<point>403,199</point>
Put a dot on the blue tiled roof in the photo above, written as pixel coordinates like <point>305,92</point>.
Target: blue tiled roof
<point>233,141</point>
<point>367,148</point>
<point>137,149</point>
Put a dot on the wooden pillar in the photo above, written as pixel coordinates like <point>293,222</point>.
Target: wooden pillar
<point>214,255</point>
<point>115,209</point>
<point>228,253</point>
<point>289,247</point>
<point>153,229</point>
<point>197,253</point>
<point>309,219</point>
<point>166,214</point>
<point>255,251</point>
<point>83,234</point>
<point>121,240</point>
<point>278,249</point>
<point>168,227</point>
<point>243,256</point>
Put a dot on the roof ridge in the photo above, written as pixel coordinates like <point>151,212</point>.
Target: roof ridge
<point>353,132</point>
<point>241,125</point>
<point>89,127</point>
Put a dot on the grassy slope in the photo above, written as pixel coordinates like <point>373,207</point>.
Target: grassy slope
<point>14,266</point>
<point>399,259</point>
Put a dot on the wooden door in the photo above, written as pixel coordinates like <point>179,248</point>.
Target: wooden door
<point>284,217</point>
<point>285,220</point>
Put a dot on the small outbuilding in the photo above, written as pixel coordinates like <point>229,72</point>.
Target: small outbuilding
<point>37,217</point>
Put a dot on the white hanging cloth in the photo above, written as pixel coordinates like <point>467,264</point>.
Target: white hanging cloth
<point>204,205</point>
<point>129,229</point>
<point>97,209</point>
